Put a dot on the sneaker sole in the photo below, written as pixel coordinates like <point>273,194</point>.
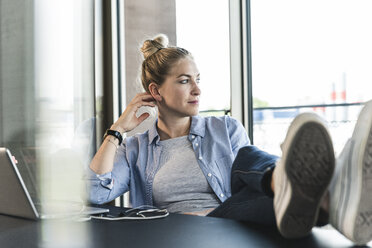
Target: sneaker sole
<point>309,168</point>
<point>355,211</point>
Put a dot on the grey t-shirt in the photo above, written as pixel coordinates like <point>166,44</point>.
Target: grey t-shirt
<point>180,185</point>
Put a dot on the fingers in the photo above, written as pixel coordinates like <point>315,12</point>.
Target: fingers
<point>128,119</point>
<point>149,104</point>
<point>143,99</point>
<point>142,95</point>
<point>143,117</point>
<point>146,98</point>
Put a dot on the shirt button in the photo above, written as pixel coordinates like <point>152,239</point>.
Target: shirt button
<point>196,144</point>
<point>222,195</point>
<point>193,136</point>
<point>200,158</point>
<point>209,174</point>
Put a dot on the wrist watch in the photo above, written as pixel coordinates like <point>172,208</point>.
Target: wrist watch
<point>114,133</point>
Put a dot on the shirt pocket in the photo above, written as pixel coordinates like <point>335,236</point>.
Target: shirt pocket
<point>224,165</point>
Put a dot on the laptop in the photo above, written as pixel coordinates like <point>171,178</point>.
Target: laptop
<point>15,199</point>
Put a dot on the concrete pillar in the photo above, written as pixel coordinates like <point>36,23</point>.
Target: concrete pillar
<point>144,19</point>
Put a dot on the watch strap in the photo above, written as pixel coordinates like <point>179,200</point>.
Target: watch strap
<point>114,133</point>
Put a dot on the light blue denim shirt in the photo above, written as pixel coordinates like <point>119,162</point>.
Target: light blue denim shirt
<point>215,140</point>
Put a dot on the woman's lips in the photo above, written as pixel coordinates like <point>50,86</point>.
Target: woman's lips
<point>194,102</point>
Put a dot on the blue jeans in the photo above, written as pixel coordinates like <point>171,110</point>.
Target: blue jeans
<point>250,179</point>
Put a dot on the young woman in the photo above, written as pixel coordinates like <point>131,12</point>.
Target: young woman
<point>206,166</point>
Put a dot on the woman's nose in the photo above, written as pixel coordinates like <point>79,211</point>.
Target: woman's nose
<point>196,89</point>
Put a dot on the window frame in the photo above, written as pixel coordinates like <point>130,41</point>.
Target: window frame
<point>241,64</point>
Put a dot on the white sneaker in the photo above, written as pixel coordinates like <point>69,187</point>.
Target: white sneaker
<point>351,189</point>
<point>302,176</point>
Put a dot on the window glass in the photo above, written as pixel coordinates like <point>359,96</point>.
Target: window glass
<point>47,102</point>
<point>204,31</point>
<point>311,54</point>
<point>64,92</point>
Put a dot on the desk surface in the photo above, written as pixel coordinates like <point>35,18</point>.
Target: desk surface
<point>174,231</point>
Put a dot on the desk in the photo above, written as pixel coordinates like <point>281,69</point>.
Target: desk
<point>175,231</point>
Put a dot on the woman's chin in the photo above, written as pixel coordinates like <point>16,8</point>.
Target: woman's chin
<point>195,112</point>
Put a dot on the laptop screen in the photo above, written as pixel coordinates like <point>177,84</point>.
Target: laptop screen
<point>14,197</point>
<point>17,201</point>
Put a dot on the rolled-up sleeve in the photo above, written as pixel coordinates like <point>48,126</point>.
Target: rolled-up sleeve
<point>106,187</point>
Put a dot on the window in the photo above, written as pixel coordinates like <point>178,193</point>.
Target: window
<point>64,93</point>
<point>309,56</point>
<point>204,31</point>
<point>47,101</point>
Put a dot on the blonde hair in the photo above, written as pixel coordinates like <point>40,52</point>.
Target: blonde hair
<point>159,58</point>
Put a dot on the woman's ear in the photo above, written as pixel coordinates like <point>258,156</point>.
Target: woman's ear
<point>154,91</point>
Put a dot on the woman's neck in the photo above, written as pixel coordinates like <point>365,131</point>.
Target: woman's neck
<point>169,128</point>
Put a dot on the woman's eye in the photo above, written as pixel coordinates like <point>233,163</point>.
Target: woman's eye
<point>198,80</point>
<point>185,81</point>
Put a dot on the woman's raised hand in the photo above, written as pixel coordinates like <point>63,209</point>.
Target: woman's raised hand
<point>128,119</point>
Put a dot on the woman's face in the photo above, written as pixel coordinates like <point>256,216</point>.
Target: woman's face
<point>180,91</point>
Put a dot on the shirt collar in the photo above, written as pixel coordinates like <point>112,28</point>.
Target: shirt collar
<point>153,133</point>
<point>197,125</point>
<point>197,128</point>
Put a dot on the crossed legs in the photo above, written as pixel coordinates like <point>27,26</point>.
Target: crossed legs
<point>306,178</point>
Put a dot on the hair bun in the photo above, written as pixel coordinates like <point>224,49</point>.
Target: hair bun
<point>162,39</point>
<point>150,47</point>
